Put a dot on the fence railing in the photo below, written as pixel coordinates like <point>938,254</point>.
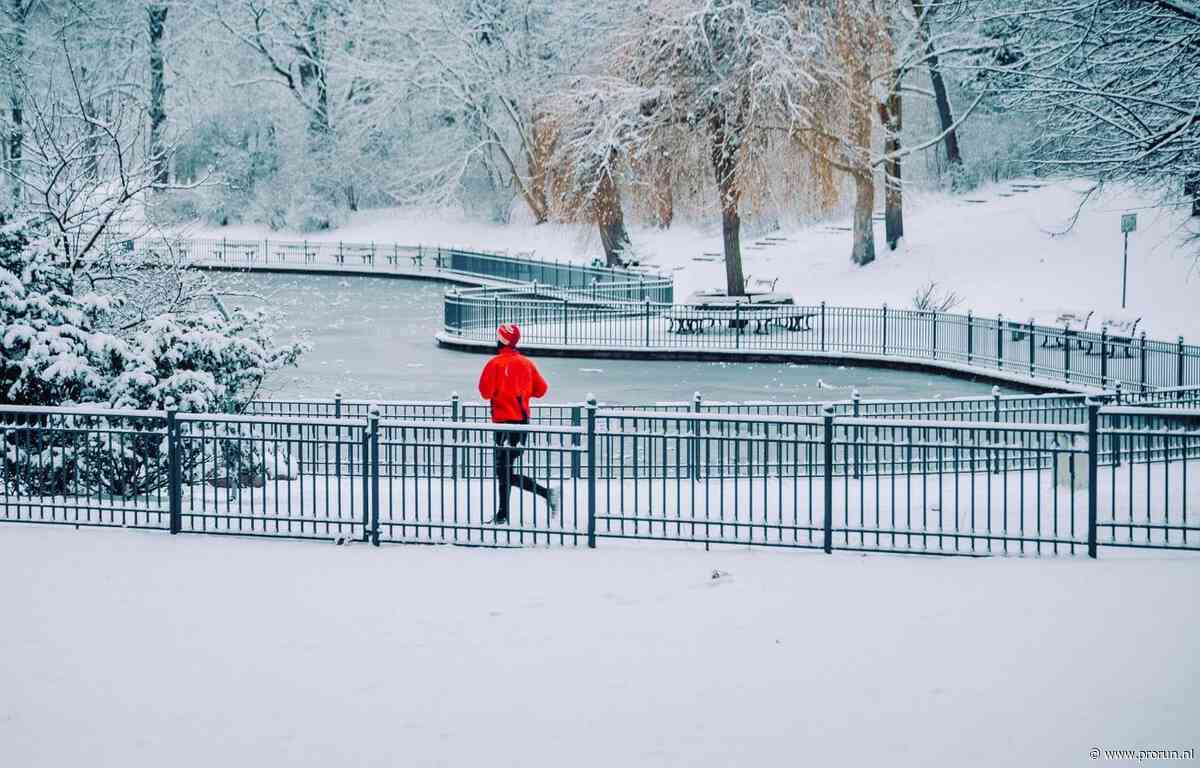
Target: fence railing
<point>1127,476</point>
<point>993,344</point>
<point>520,270</point>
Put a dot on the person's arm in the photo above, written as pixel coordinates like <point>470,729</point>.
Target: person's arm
<point>539,387</point>
<point>487,381</point>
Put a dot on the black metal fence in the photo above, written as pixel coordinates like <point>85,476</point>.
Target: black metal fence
<point>1126,476</point>
<point>1020,350</point>
<point>520,270</point>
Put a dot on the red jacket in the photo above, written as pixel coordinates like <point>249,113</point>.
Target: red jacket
<point>510,380</point>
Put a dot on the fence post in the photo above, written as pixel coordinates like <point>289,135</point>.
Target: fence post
<point>697,405</point>
<point>372,468</point>
<point>822,326</point>
<point>647,305</point>
<point>337,438</point>
<point>737,324</point>
<point>885,329</point>
<point>1066,355</point>
<point>455,415</point>
<point>576,421</point>
<point>934,316</point>
<point>856,399</point>
<point>566,334</point>
<point>1032,349</point>
<point>995,452</point>
<point>1103,357</point>
<point>970,336</point>
<point>174,479</point>
<point>341,254</point>
<point>1142,340</point>
<point>1116,438</point>
<point>1000,341</point>
<point>591,471</point>
<point>827,412</point>
<point>1093,437</point>
<point>1179,363</point>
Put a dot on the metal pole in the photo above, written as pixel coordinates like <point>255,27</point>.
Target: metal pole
<point>697,404</point>
<point>970,334</point>
<point>828,438</point>
<point>1179,363</point>
<point>455,411</point>
<point>576,421</point>
<point>1093,437</point>
<point>373,421</point>
<point>1124,270</point>
<point>822,326</point>
<point>999,341</point>
<point>337,440</point>
<point>175,487</point>
<point>591,473</point>
<point>885,330</point>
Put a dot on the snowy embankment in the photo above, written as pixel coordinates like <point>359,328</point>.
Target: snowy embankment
<point>130,649</point>
<point>1001,250</point>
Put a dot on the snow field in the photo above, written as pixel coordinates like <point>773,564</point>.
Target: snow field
<point>137,649</point>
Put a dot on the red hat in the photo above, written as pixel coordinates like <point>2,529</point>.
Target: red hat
<point>509,334</point>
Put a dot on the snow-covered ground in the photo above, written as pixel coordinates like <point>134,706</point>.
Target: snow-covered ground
<point>1013,253</point>
<point>139,649</point>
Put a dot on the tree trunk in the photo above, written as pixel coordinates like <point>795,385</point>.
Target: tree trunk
<point>945,113</point>
<point>1191,188</point>
<point>890,117</point>
<point>864,225</point>
<point>538,157</point>
<point>725,166</point>
<point>664,197</point>
<point>610,219</point>
<point>16,102</point>
<point>158,90</point>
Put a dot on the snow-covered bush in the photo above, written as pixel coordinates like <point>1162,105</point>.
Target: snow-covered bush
<point>63,341</point>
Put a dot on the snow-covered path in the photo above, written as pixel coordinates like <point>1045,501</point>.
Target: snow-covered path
<point>126,649</point>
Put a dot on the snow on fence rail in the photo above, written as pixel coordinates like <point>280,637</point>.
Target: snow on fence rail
<point>1127,476</point>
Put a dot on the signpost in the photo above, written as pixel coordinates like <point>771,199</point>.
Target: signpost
<point>1128,224</point>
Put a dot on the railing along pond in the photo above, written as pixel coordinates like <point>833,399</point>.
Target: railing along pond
<point>920,477</point>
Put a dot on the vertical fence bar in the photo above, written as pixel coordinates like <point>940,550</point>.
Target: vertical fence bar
<point>1179,363</point>
<point>1103,357</point>
<point>1142,377</point>
<point>647,304</point>
<point>934,317</point>
<point>576,421</point>
<point>365,445</point>
<point>822,326</point>
<point>591,471</point>
<point>999,341</point>
<point>372,468</point>
<point>828,461</point>
<point>694,442</point>
<point>1092,459</point>
<point>337,437</point>
<point>970,336</point>
<point>884,345</point>
<point>455,411</point>
<point>1066,354</point>
<point>1032,349</point>
<point>174,480</point>
<point>737,324</point>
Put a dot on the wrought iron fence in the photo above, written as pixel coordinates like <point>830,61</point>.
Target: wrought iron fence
<point>1127,476</point>
<point>1020,350</point>
<point>520,270</point>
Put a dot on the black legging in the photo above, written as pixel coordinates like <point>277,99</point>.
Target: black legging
<point>509,447</point>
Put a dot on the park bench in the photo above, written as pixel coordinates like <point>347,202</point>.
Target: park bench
<point>1072,323</point>
<point>364,252</point>
<point>683,320</point>
<point>226,252</point>
<point>1119,328</point>
<point>296,252</point>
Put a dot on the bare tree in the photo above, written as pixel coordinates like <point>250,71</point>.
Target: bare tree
<point>733,71</point>
<point>1114,86</point>
<point>15,17</point>
<point>924,11</point>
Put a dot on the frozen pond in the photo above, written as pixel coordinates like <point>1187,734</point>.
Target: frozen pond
<point>373,338</point>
